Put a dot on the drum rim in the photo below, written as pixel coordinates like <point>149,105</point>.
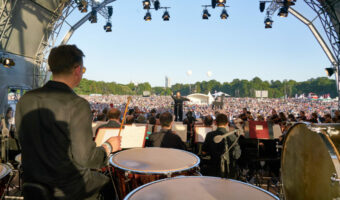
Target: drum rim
<point>8,170</point>
<point>155,172</point>
<point>183,177</point>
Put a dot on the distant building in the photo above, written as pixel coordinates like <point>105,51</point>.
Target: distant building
<point>167,82</point>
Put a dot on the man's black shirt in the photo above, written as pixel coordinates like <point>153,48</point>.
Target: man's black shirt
<point>165,138</point>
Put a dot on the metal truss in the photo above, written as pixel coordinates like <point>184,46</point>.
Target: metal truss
<point>57,21</point>
<point>272,8</point>
<point>327,16</point>
<point>103,11</point>
<point>329,21</point>
<point>5,23</point>
<point>41,72</point>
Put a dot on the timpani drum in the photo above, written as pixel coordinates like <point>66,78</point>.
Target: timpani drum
<point>204,187</point>
<point>5,171</point>
<point>310,162</point>
<point>135,167</point>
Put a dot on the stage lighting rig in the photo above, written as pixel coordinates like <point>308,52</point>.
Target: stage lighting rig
<point>224,14</point>
<point>7,62</point>
<point>147,16</point>
<point>108,27</point>
<point>281,5</point>
<point>157,4</point>
<point>109,11</point>
<point>283,11</point>
<point>206,14</point>
<point>93,18</point>
<point>166,16</point>
<point>330,71</point>
<point>146,4</point>
<point>262,6</point>
<point>82,5</point>
<point>213,3</point>
<point>268,22</point>
<point>220,3</point>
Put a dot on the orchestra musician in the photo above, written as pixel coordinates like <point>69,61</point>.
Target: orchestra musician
<point>54,130</point>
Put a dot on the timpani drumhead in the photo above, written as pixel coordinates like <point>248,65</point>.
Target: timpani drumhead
<point>154,160</point>
<point>307,164</point>
<point>4,170</point>
<point>199,187</point>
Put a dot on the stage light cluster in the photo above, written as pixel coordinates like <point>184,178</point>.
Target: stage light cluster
<point>147,5</point>
<point>215,3</point>
<point>283,10</point>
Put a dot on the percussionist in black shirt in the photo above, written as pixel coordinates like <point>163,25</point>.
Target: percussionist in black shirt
<point>178,106</point>
<point>165,138</point>
<point>55,133</point>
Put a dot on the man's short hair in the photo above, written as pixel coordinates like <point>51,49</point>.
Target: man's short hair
<point>101,117</point>
<point>64,58</point>
<point>221,119</point>
<point>113,113</point>
<point>208,120</point>
<point>165,119</point>
<point>130,119</point>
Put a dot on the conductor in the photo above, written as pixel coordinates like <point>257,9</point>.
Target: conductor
<point>178,107</point>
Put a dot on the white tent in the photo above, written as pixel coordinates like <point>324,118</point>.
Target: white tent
<point>198,98</point>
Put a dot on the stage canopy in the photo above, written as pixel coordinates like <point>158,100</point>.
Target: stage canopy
<point>25,29</point>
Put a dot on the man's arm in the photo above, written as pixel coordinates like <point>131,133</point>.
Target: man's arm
<point>83,148</point>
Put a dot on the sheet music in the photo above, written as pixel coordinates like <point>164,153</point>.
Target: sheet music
<point>277,131</point>
<point>133,136</point>
<point>201,133</point>
<point>181,130</point>
<point>177,127</point>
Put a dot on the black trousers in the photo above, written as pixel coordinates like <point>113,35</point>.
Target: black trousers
<point>178,110</point>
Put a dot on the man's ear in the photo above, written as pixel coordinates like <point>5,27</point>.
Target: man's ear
<point>77,70</point>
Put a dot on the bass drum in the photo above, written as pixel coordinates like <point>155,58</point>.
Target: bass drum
<point>311,162</point>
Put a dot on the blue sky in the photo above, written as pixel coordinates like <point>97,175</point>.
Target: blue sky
<point>239,47</point>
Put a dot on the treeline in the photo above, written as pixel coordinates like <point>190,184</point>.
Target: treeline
<point>236,88</point>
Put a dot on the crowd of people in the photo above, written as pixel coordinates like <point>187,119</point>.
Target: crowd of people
<point>258,109</point>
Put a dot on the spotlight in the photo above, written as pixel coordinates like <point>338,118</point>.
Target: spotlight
<point>220,3</point>
<point>289,2</point>
<point>262,6</point>
<point>166,16</point>
<point>146,4</point>
<point>110,11</point>
<point>283,12</point>
<point>206,14</point>
<point>329,71</point>
<point>108,27</point>
<point>93,17</point>
<point>213,3</point>
<point>82,5</point>
<point>268,23</point>
<point>7,62</point>
<point>147,16</point>
<point>156,4</point>
<point>224,14</point>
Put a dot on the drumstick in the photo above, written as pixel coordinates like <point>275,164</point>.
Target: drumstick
<point>126,108</point>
